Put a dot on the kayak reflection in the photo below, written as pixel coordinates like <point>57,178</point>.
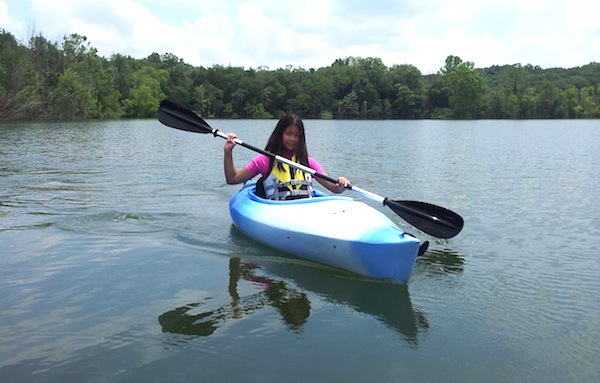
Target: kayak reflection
<point>388,303</point>
<point>293,306</point>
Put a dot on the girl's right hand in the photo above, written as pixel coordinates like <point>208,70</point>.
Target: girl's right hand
<point>230,144</point>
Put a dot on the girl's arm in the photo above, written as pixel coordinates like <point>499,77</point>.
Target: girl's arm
<point>233,176</point>
<point>339,187</point>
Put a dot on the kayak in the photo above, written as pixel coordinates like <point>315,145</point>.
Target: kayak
<point>333,230</point>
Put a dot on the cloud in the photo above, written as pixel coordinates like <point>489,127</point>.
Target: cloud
<point>314,33</point>
<point>6,22</point>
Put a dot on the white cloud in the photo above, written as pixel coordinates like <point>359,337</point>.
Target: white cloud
<point>314,33</point>
<point>6,22</point>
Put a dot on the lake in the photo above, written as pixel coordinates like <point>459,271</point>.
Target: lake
<point>119,261</point>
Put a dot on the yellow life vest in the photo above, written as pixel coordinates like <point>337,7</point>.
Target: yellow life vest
<point>287,183</point>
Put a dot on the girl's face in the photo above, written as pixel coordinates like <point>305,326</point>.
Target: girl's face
<point>291,137</point>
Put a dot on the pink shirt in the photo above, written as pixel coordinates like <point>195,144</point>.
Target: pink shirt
<point>260,164</point>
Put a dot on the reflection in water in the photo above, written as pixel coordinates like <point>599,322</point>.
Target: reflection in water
<point>180,322</point>
<point>388,303</point>
<point>442,261</point>
<point>293,306</point>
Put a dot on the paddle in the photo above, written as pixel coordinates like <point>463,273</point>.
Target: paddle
<point>431,219</point>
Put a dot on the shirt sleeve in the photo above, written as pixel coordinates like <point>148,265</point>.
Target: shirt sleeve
<point>259,164</point>
<point>313,164</point>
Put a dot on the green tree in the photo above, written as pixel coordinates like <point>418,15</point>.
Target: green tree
<point>511,106</point>
<point>466,88</point>
<point>70,80</point>
<point>437,98</point>
<point>349,106</point>
<point>312,92</point>
<point>256,111</point>
<point>408,91</point>
<point>588,106</point>
<point>86,89</point>
<point>124,67</point>
<point>17,80</point>
<point>405,102</point>
<point>49,64</point>
<point>200,102</point>
<point>180,85</point>
<point>527,104</point>
<point>146,93</point>
<point>548,100</point>
<point>570,103</point>
<point>72,97</point>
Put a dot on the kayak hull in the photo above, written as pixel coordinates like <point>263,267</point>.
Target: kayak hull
<point>333,230</point>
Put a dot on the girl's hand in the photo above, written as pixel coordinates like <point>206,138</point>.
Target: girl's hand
<point>342,182</point>
<point>230,144</point>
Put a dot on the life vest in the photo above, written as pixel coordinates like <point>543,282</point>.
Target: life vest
<point>287,183</point>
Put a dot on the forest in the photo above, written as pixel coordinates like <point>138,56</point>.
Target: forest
<point>68,80</point>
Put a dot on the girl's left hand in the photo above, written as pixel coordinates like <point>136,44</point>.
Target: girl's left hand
<point>343,182</point>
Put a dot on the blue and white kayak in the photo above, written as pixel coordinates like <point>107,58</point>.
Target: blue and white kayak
<point>333,230</point>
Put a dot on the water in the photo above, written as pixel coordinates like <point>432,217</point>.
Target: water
<point>119,262</point>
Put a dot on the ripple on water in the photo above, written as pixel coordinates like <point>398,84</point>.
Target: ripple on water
<point>111,223</point>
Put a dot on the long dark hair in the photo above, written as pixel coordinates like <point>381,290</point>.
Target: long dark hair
<point>275,143</point>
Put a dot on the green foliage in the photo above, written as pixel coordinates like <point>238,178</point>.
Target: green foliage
<point>68,80</point>
<point>465,87</point>
<point>17,79</point>
<point>326,115</point>
<point>146,92</point>
<point>538,93</point>
<point>256,111</point>
<point>72,98</point>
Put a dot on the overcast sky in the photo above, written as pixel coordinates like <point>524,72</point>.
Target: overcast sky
<point>314,33</point>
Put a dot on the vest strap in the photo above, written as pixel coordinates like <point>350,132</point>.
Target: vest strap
<point>287,183</point>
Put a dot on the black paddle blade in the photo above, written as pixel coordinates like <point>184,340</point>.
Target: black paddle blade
<point>179,117</point>
<point>434,220</point>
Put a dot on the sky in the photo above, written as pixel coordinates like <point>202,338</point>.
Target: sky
<point>314,33</point>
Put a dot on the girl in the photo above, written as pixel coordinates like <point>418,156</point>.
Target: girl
<point>278,180</point>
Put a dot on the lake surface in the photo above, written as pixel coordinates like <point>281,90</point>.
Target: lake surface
<point>119,262</point>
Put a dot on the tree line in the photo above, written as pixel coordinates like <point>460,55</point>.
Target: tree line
<point>67,80</point>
